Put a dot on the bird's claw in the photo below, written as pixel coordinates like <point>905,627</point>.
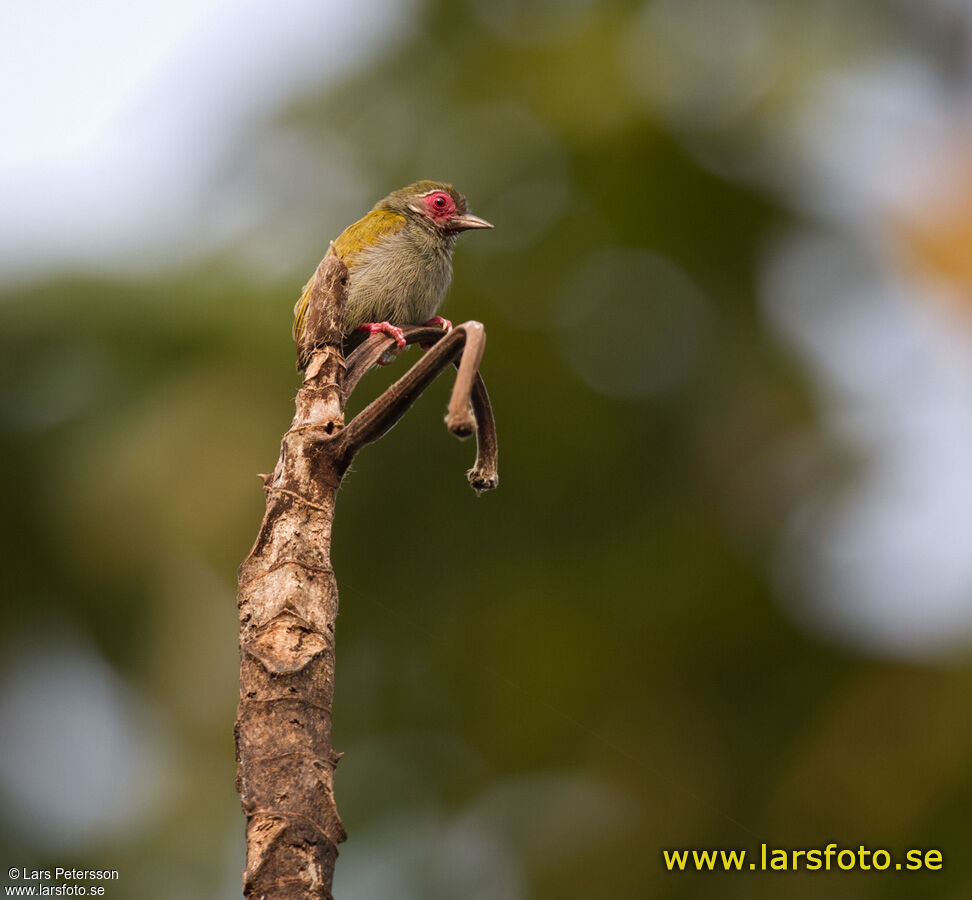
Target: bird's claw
<point>444,324</point>
<point>385,328</point>
<point>388,357</point>
<point>438,322</point>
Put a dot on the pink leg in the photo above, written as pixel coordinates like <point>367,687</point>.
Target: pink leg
<point>388,357</point>
<point>444,324</point>
<point>385,328</point>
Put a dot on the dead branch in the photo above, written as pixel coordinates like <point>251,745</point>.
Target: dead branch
<point>483,476</point>
<point>287,595</point>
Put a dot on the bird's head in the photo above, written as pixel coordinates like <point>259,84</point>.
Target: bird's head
<point>434,205</point>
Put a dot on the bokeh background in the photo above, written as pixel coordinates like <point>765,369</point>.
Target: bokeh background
<point>723,594</point>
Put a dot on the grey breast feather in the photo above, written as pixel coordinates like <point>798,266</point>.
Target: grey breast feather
<point>402,280</point>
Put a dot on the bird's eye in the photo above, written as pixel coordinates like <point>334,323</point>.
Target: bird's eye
<point>439,205</point>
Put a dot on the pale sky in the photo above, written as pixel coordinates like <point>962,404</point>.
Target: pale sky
<point>114,112</point>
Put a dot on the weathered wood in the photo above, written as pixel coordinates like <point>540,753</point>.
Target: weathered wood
<point>288,597</point>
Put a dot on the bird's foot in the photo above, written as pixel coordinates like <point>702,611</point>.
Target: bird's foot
<point>442,323</point>
<point>438,321</point>
<point>385,328</point>
<point>388,357</point>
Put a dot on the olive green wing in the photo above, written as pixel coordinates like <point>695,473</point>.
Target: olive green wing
<point>365,233</point>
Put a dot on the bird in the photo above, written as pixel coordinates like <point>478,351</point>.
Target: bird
<point>399,259</point>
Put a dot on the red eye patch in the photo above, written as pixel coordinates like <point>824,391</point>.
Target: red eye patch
<point>440,205</point>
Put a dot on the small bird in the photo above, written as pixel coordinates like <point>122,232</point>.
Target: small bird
<point>399,259</point>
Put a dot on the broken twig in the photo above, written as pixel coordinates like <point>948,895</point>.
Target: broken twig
<point>287,595</point>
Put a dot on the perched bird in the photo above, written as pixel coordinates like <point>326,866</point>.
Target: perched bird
<point>399,259</point>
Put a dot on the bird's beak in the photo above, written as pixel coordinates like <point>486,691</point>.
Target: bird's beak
<point>467,221</point>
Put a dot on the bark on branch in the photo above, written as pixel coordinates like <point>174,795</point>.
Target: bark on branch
<point>287,595</point>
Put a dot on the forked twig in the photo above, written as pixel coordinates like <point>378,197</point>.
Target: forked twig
<point>469,387</point>
<point>287,593</point>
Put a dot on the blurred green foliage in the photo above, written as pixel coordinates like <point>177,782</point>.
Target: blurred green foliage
<point>564,676</point>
